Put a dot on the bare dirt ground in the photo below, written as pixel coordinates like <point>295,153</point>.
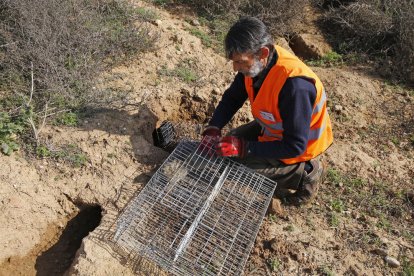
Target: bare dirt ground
<point>363,213</point>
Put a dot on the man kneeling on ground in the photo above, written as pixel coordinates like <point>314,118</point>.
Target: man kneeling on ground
<point>288,102</point>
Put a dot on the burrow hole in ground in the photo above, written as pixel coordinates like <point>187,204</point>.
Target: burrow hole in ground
<point>58,258</point>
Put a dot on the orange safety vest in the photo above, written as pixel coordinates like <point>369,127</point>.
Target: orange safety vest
<point>265,108</point>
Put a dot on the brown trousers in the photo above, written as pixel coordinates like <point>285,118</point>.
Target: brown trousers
<point>286,176</point>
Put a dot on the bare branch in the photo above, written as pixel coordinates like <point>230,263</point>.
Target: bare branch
<point>44,119</point>
<point>32,86</point>
<point>7,44</point>
<point>34,129</point>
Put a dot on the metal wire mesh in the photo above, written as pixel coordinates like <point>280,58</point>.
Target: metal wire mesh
<point>198,215</point>
<point>169,134</point>
<point>165,136</point>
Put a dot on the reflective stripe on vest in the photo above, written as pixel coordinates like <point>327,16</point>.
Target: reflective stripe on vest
<point>266,130</point>
<point>319,106</point>
<point>314,134</point>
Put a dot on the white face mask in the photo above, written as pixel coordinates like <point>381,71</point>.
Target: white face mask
<point>255,70</point>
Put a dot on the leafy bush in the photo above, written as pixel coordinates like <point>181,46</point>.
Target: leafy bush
<point>8,131</point>
<point>67,119</point>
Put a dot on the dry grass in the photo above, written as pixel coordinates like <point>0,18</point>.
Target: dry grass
<point>51,52</point>
<point>380,28</point>
<point>64,44</point>
<point>281,16</point>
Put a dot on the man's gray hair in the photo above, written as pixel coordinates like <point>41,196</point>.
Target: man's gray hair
<point>247,35</point>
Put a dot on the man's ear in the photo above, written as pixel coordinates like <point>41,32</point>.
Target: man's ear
<point>264,52</point>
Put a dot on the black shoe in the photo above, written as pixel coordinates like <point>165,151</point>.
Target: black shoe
<point>309,186</point>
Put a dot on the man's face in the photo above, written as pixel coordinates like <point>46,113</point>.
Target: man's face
<point>250,65</point>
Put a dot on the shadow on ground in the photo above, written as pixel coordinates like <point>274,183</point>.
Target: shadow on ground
<point>58,258</point>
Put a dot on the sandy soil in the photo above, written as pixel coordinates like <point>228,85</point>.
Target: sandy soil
<point>365,206</point>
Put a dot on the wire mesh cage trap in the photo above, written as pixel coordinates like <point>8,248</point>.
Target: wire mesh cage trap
<point>198,215</point>
<point>169,134</point>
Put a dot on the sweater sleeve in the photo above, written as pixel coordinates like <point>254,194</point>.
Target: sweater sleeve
<point>232,100</point>
<point>296,100</point>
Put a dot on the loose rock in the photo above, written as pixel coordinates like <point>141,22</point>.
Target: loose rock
<point>276,208</point>
<point>392,262</point>
<point>310,46</point>
<point>195,22</point>
<point>157,22</point>
<point>216,91</point>
<point>338,108</point>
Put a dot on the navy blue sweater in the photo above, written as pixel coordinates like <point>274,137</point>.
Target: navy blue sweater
<point>296,101</point>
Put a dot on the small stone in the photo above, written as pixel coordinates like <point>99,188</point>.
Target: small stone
<point>380,251</point>
<point>157,22</point>
<point>338,108</point>
<point>216,91</point>
<point>392,262</point>
<point>5,148</point>
<point>355,215</point>
<point>336,247</point>
<point>355,270</point>
<point>195,22</point>
<point>384,240</point>
<point>276,208</point>
<point>274,244</point>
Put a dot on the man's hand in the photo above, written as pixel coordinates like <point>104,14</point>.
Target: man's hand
<point>211,135</point>
<point>212,131</point>
<point>232,146</point>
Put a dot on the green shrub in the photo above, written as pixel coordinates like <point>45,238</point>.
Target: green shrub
<point>184,70</point>
<point>334,219</point>
<point>9,129</point>
<point>408,268</point>
<point>67,119</point>
<point>330,59</point>
<point>42,151</point>
<point>338,205</point>
<point>205,39</point>
<point>70,154</point>
<point>274,264</point>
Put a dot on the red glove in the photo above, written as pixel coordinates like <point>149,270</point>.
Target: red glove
<point>232,146</point>
<point>211,135</point>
